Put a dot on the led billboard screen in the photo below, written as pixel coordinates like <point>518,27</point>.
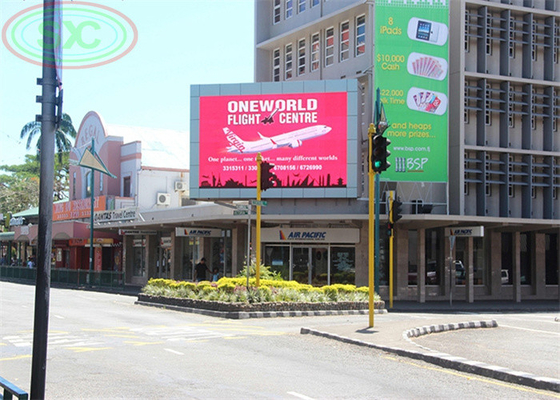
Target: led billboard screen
<point>411,72</point>
<point>305,136</point>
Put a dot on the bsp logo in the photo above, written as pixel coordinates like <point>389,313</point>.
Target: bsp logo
<point>88,35</point>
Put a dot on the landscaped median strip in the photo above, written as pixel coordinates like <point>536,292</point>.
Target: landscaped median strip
<point>448,361</point>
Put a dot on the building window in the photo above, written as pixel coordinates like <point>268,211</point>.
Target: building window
<point>489,34</point>
<point>276,65</point>
<point>315,50</point>
<point>289,8</point>
<point>511,42</point>
<point>101,183</point>
<point>126,186</point>
<point>88,184</point>
<point>534,42</point>
<point>467,41</point>
<point>277,11</point>
<point>301,57</point>
<point>511,115</point>
<point>314,3</point>
<point>329,47</point>
<point>360,35</point>
<point>74,186</point>
<point>344,41</point>
<point>301,5</point>
<point>488,104</point>
<point>288,55</point>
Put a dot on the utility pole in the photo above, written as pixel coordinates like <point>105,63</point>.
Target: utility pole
<point>48,118</point>
<point>371,231</point>
<point>258,228</point>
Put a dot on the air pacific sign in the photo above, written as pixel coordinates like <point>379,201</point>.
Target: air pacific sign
<point>326,235</point>
<point>466,231</point>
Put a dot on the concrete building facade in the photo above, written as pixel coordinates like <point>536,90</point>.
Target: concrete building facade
<point>504,145</point>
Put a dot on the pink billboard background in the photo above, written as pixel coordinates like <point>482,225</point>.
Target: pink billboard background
<point>304,135</point>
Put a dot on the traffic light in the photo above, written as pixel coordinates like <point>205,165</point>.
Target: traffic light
<point>396,210</point>
<point>267,177</point>
<point>379,153</point>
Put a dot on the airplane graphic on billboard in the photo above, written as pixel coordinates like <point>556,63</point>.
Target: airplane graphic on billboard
<point>291,139</point>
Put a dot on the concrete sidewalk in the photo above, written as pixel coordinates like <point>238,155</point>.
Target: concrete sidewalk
<point>396,335</point>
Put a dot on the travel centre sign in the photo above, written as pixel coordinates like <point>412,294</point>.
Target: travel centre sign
<point>326,235</point>
<point>411,73</point>
<point>303,134</point>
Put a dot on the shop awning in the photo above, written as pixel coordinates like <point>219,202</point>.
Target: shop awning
<point>7,236</point>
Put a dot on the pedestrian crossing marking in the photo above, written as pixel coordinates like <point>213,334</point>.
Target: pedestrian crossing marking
<point>137,343</point>
<point>86,349</point>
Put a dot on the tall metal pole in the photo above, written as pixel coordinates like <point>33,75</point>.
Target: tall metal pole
<point>258,230</point>
<point>391,243</point>
<point>248,244</point>
<point>44,238</point>
<point>377,201</point>
<point>92,193</point>
<point>371,231</point>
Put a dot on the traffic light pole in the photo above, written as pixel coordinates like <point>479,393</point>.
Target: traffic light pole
<point>371,232</point>
<point>258,229</point>
<point>391,237</point>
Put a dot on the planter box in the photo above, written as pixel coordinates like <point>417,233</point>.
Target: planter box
<point>263,307</point>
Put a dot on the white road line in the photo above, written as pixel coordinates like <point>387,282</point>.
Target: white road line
<point>530,330</point>
<point>301,396</point>
<point>58,316</point>
<point>175,352</point>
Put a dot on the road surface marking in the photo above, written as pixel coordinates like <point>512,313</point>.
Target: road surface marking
<point>175,352</point>
<point>136,343</point>
<point>16,357</point>
<point>301,396</point>
<point>58,316</point>
<point>530,330</point>
<point>473,377</point>
<point>85,349</point>
<point>123,336</point>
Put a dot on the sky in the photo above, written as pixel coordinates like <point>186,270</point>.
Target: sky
<point>180,43</point>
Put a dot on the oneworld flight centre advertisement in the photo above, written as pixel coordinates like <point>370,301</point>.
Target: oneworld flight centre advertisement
<point>411,72</point>
<point>304,135</point>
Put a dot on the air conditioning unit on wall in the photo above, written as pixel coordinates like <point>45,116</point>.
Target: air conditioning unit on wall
<point>163,199</point>
<point>180,186</point>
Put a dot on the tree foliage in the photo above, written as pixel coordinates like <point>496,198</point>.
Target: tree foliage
<point>63,134</point>
<point>19,184</point>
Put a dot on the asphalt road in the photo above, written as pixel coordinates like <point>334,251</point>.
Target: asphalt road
<point>528,342</point>
<point>103,346</point>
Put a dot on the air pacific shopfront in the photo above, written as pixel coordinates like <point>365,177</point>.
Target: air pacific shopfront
<point>316,256</point>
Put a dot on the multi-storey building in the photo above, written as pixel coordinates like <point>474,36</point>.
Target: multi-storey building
<point>503,141</point>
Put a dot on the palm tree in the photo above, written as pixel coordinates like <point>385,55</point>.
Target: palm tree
<point>62,136</point>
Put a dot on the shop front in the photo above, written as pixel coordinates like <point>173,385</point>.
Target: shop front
<point>315,256</point>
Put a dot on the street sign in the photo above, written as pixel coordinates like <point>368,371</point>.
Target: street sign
<point>240,212</point>
<point>262,203</point>
<point>242,207</point>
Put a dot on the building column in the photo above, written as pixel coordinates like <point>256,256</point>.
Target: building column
<point>516,267</point>
<point>239,248</point>
<point>175,269</point>
<point>152,243</point>
<point>400,263</point>
<point>539,264</point>
<point>127,258</point>
<point>494,256</point>
<point>421,269</point>
<point>469,269</point>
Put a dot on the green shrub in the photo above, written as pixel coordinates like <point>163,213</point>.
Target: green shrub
<point>331,292</point>
<point>235,290</point>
